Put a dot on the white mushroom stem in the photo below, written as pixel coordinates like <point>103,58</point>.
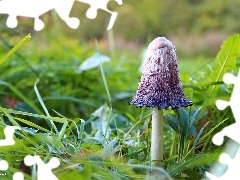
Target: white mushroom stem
<point>157,137</point>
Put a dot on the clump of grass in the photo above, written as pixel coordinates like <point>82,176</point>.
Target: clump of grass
<point>82,119</point>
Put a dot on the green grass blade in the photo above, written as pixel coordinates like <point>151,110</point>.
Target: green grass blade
<point>79,132</point>
<point>199,160</point>
<point>107,90</point>
<point>81,129</point>
<point>62,132</point>
<point>43,105</point>
<point>58,141</point>
<point>33,125</point>
<point>80,135</point>
<point>15,48</point>
<point>56,119</point>
<point>104,78</point>
<point>21,96</point>
<point>211,130</point>
<point>196,140</point>
<point>68,98</point>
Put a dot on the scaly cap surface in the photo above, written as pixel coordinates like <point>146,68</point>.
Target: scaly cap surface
<point>160,84</point>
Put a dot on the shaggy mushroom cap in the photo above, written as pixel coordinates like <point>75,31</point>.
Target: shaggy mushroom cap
<point>160,84</point>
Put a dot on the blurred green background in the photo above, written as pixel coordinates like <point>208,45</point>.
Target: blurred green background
<point>195,27</point>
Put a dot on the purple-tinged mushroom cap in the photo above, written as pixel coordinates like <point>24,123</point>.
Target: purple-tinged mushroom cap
<point>160,84</point>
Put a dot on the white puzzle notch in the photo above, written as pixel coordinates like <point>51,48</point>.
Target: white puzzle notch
<point>36,8</point>
<point>231,131</point>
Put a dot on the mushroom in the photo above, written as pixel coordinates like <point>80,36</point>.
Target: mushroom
<point>160,87</point>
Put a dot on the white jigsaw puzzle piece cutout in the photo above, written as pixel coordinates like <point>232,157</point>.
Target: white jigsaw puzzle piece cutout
<point>101,4</point>
<point>8,141</point>
<point>3,165</point>
<point>8,132</point>
<point>231,131</point>
<point>27,8</point>
<point>233,167</point>
<point>18,176</point>
<point>44,170</point>
<point>36,8</point>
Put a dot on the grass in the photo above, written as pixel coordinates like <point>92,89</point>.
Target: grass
<point>84,118</point>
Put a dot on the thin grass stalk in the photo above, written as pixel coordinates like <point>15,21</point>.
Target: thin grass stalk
<point>58,141</point>
<point>107,90</point>
<point>15,48</point>
<point>173,151</point>
<point>104,78</point>
<point>80,134</point>
<point>56,119</point>
<point>21,96</point>
<point>43,105</point>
